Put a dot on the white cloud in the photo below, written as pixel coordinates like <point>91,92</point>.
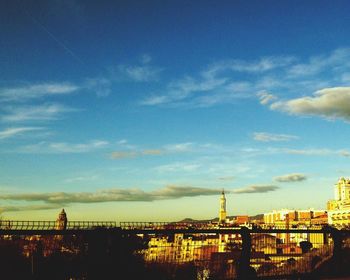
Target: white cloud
<point>330,103</point>
<point>63,147</point>
<point>269,137</point>
<point>15,131</point>
<point>44,112</point>
<point>35,91</point>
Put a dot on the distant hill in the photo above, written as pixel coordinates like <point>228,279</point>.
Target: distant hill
<point>256,217</point>
<point>190,220</point>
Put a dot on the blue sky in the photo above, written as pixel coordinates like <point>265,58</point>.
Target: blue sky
<point>145,110</point>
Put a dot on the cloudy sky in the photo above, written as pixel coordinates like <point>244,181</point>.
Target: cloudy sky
<point>146,110</point>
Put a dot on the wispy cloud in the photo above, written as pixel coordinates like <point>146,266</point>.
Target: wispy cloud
<point>179,147</point>
<point>180,90</point>
<point>309,152</point>
<point>178,166</point>
<point>12,208</point>
<point>44,112</point>
<point>227,178</point>
<point>337,59</point>
<point>133,152</point>
<point>266,98</point>
<point>64,147</point>
<point>262,65</point>
<point>330,103</point>
<point>294,177</point>
<point>15,131</point>
<point>141,72</point>
<point>81,179</point>
<point>124,154</point>
<point>256,189</point>
<point>216,84</point>
<point>110,195</point>
<point>270,137</point>
<point>269,78</point>
<point>153,152</point>
<point>35,91</point>
<point>100,86</point>
<point>344,153</point>
<point>146,58</point>
<point>306,151</point>
<point>54,200</point>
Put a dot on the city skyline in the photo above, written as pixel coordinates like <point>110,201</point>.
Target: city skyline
<point>132,110</point>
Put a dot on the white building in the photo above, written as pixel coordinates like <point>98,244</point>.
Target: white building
<point>339,208</point>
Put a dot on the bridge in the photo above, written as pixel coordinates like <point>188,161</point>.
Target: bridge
<point>14,227</point>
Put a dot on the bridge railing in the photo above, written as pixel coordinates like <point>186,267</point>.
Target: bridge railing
<point>163,225</point>
<point>9,225</point>
<point>90,224</point>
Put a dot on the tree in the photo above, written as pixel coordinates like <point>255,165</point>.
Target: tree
<point>305,246</point>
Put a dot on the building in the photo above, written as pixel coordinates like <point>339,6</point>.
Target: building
<point>339,207</point>
<point>222,213</point>
<point>287,217</point>
<point>266,243</point>
<point>181,248</point>
<point>61,222</point>
<point>241,220</point>
<point>302,219</point>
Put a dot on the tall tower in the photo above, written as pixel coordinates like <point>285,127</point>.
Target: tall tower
<point>222,213</point>
<point>61,222</point>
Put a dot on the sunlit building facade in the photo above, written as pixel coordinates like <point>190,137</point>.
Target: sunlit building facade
<point>293,217</point>
<point>339,207</point>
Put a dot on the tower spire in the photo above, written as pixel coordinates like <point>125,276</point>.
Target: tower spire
<point>222,212</point>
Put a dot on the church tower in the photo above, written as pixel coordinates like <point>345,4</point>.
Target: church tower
<point>61,222</point>
<point>222,213</point>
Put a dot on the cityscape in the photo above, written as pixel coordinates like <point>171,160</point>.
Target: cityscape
<point>188,249</point>
<point>174,140</point>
